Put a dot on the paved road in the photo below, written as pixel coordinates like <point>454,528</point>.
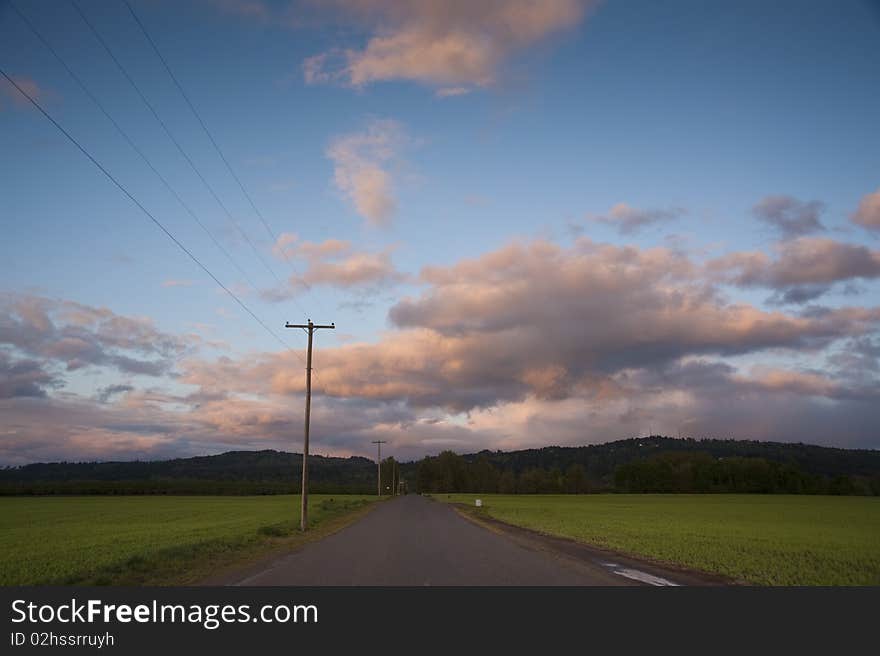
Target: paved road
<point>414,541</point>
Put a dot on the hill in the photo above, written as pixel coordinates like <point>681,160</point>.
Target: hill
<point>600,460</point>
<point>643,464</point>
<point>233,472</point>
<point>657,464</point>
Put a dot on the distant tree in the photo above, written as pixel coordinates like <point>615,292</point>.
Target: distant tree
<point>507,482</point>
<point>451,473</point>
<point>426,475</point>
<point>576,479</point>
<point>482,476</point>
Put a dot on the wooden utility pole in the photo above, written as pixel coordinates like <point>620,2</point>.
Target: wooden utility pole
<point>304,497</point>
<point>379,444</point>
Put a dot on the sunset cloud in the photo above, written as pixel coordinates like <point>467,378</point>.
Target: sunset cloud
<point>24,377</point>
<point>453,45</point>
<point>361,163</point>
<point>14,98</point>
<point>802,269</point>
<point>789,216</point>
<point>868,213</point>
<point>629,220</point>
<point>538,320</point>
<point>532,221</point>
<point>527,344</point>
<point>74,335</point>
<point>334,263</point>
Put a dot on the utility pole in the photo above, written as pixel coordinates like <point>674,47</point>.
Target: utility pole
<point>379,444</point>
<point>304,497</point>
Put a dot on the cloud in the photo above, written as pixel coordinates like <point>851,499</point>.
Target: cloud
<point>449,92</point>
<point>454,45</point>
<point>802,270</point>
<point>334,263</point>
<point>106,393</point>
<point>529,344</point>
<point>23,377</point>
<point>318,70</point>
<point>14,96</point>
<point>537,320</point>
<point>361,174</point>
<point>789,216</point>
<point>629,220</point>
<point>868,213</point>
<point>74,335</point>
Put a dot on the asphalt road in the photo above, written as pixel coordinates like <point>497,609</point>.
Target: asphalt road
<point>414,541</point>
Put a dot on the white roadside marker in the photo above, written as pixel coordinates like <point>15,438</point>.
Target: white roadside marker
<point>636,575</point>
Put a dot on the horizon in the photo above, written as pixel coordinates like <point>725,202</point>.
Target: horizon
<point>405,462</point>
<point>570,218</point>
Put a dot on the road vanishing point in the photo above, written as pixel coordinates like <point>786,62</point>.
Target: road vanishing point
<point>416,541</point>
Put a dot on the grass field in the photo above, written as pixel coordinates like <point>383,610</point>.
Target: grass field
<point>151,539</point>
<point>759,539</point>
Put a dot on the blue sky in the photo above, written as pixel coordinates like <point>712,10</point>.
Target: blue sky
<point>684,116</point>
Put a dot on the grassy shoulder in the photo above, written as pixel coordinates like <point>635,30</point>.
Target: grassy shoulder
<point>154,540</point>
<point>760,539</point>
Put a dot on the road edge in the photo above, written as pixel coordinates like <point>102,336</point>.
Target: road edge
<point>579,551</point>
<point>236,572</point>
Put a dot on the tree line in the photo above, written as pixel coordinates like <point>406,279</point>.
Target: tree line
<point>665,472</point>
<point>650,464</point>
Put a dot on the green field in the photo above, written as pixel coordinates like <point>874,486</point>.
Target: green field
<point>758,539</point>
<point>151,539</point>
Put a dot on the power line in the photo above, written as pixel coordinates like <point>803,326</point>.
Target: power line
<point>130,142</point>
<point>199,118</point>
<point>146,160</point>
<point>140,206</point>
<point>173,139</point>
<point>211,137</point>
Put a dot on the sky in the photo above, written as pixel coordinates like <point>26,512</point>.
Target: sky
<point>555,222</point>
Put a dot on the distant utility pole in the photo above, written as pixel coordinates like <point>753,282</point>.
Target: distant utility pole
<point>379,444</point>
<point>304,510</point>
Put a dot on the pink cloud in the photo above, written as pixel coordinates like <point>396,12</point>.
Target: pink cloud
<point>790,216</point>
<point>868,213</point>
<point>75,335</point>
<point>28,85</point>
<point>629,220</point>
<point>451,44</point>
<point>802,269</point>
<point>361,163</point>
<point>536,319</point>
<point>334,263</point>
<point>529,344</point>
